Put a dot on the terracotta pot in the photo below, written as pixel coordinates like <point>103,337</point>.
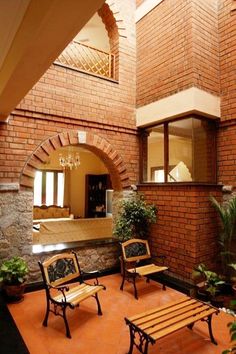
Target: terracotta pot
<point>14,292</point>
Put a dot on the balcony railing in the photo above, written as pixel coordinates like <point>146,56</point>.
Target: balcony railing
<point>83,57</point>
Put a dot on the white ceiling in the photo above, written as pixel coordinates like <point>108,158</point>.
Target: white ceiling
<point>11,15</point>
<point>94,34</point>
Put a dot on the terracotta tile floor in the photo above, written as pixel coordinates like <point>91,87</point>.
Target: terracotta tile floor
<point>108,334</point>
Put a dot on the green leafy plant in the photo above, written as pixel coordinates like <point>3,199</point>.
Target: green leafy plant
<point>227,213</point>
<point>232,331</point>
<point>134,218</point>
<point>211,279</point>
<point>13,271</point>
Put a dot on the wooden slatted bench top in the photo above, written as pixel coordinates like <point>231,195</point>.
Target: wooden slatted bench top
<point>147,269</point>
<point>161,321</point>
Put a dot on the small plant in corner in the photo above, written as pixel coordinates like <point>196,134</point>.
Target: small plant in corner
<point>232,331</point>
<point>134,218</point>
<point>211,280</point>
<point>13,273</point>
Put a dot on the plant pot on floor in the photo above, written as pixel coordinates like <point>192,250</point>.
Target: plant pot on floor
<point>13,274</point>
<point>14,293</point>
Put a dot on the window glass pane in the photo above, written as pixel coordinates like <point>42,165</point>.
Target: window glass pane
<point>180,151</point>
<point>60,189</point>
<point>49,188</point>
<point>155,155</point>
<point>159,176</point>
<point>190,155</point>
<point>38,188</point>
<point>203,151</point>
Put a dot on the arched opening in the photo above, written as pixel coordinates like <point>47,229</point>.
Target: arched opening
<point>74,177</point>
<point>95,48</point>
<point>71,194</point>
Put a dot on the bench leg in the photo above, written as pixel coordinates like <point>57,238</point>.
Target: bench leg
<point>131,340</point>
<point>66,322</point>
<point>135,289</point>
<point>210,330</point>
<point>98,304</point>
<point>142,345</point>
<point>123,280</point>
<point>45,321</point>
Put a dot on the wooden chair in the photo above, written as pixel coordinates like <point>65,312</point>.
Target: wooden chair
<point>135,252</point>
<point>58,271</point>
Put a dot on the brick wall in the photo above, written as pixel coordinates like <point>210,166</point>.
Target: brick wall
<point>205,47</point>
<point>65,99</point>
<point>227,129</point>
<point>226,153</point>
<point>179,49</point>
<point>186,228</point>
<point>227,35</point>
<point>24,133</point>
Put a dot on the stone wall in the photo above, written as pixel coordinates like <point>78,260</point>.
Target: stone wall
<point>101,257</point>
<point>16,237</point>
<point>15,224</point>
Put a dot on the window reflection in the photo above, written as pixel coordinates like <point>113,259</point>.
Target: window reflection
<point>181,151</point>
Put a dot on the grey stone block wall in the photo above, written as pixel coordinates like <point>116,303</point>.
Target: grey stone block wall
<point>16,221</point>
<point>15,224</point>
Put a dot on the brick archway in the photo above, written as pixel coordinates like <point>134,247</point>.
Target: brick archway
<point>115,27</point>
<point>98,145</point>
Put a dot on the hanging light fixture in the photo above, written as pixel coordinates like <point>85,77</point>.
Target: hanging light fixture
<point>70,161</point>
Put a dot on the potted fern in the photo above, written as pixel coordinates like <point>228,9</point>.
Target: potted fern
<point>13,273</point>
<point>227,214</point>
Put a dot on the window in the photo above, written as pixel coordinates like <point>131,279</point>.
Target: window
<point>49,188</point>
<point>180,151</point>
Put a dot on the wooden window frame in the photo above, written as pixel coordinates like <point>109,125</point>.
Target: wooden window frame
<point>143,148</point>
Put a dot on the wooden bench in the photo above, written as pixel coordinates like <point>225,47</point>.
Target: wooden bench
<point>58,271</point>
<point>134,252</point>
<point>161,321</point>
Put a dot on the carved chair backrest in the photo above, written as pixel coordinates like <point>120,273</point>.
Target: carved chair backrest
<point>60,269</point>
<point>135,250</point>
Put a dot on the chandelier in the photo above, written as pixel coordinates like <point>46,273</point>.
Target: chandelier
<point>71,161</point>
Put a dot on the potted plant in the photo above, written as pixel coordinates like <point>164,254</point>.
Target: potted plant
<point>210,284</point>
<point>232,330</point>
<point>134,218</point>
<point>13,274</point>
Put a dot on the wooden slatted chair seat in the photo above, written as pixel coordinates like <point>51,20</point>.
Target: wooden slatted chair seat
<point>78,293</point>
<point>147,269</point>
<point>56,273</point>
<point>134,252</point>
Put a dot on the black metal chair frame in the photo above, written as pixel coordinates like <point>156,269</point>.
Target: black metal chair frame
<point>59,308</point>
<point>136,260</point>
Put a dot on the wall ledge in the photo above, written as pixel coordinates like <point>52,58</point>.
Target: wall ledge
<point>186,102</point>
<point>8,187</point>
<point>48,248</point>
